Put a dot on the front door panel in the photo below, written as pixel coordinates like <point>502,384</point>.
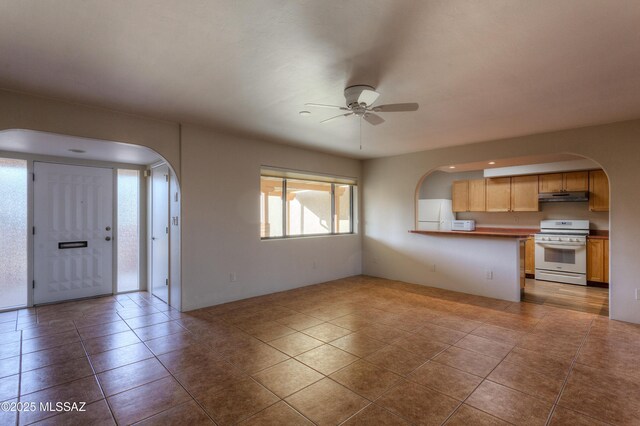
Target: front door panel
<point>73,219</point>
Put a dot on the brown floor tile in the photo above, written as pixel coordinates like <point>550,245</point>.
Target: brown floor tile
<point>421,345</point>
<point>287,377</point>
<point>555,345</point>
<point>42,330</point>
<point>131,375</point>
<point>96,413</point>
<point>358,344</point>
<point>527,379</point>
<point>471,362</point>
<point>277,415</point>
<point>210,376</point>
<point>256,357</point>
<point>147,320</point>
<point>197,354</point>
<point>326,332</point>
<point>299,321</point>
<point>509,405</point>
<point>118,357</point>
<point>147,400</point>
<point>484,346</point>
<point>10,349</point>
<point>365,379</point>
<point>541,363</point>
<point>237,402</point>
<point>418,404</point>
<point>9,387</point>
<point>612,355</point>
<point>441,334</point>
<point>498,334</point>
<point>49,341</point>
<point>188,413</point>
<point>40,359</point>
<point>564,417</point>
<point>9,417</point>
<point>606,397</point>
<point>136,311</point>
<point>268,331</point>
<point>9,366</point>
<point>83,390</point>
<point>52,375</point>
<point>397,359</point>
<point>295,344</point>
<point>326,359</point>
<point>158,330</point>
<point>352,322</point>
<point>450,381</point>
<point>170,343</point>
<point>105,329</point>
<point>384,333</point>
<point>374,415</point>
<point>457,323</point>
<point>466,416</point>
<point>112,341</point>
<point>326,402</point>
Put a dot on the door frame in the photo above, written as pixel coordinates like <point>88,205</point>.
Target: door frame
<point>148,240</point>
<point>31,159</point>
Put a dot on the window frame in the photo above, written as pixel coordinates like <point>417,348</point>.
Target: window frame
<point>334,222</point>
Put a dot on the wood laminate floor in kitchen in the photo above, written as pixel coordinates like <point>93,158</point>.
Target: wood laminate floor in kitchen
<point>355,351</point>
<point>589,299</point>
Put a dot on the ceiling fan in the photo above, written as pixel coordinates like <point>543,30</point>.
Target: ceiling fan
<point>360,100</point>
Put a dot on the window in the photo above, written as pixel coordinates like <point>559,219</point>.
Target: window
<point>13,233</point>
<point>128,230</point>
<point>291,206</point>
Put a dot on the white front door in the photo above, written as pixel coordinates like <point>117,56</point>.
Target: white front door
<point>73,220</point>
<point>160,232</point>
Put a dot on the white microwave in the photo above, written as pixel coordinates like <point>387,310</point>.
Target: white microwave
<point>463,225</point>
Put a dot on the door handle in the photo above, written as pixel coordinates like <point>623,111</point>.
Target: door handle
<point>107,238</point>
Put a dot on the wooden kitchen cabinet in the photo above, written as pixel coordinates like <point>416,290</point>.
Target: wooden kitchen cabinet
<point>564,182</point>
<point>477,195</point>
<point>598,191</point>
<point>499,194</point>
<point>575,181</point>
<point>524,194</point>
<point>598,260</point>
<point>530,256</point>
<point>460,195</point>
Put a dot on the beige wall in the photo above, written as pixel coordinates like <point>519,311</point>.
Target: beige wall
<point>390,187</point>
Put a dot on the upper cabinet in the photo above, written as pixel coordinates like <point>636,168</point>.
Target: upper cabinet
<point>524,194</point>
<point>498,194</point>
<point>561,182</point>
<point>468,195</point>
<point>460,196</point>
<point>598,191</point>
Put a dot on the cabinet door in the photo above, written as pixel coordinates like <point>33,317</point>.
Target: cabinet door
<point>595,260</point>
<point>477,195</point>
<point>606,261</point>
<point>524,193</point>
<point>598,191</point>
<point>530,256</point>
<point>460,195</point>
<point>499,194</point>
<point>551,182</point>
<point>576,181</point>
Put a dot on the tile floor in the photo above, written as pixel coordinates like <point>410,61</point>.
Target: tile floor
<point>356,351</point>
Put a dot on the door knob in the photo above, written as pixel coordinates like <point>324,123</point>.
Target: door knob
<point>107,238</point>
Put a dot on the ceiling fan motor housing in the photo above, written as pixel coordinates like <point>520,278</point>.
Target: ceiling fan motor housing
<point>352,93</point>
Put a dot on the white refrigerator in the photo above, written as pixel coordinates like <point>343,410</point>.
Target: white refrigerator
<point>435,215</point>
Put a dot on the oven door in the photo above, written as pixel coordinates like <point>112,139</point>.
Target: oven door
<point>563,257</point>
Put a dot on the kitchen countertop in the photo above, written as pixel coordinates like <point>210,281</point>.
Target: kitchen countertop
<point>486,232</point>
<point>598,235</point>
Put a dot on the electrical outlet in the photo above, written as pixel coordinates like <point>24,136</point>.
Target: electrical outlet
<point>489,274</point>
<point>233,277</point>
<point>432,268</point>
<point>637,293</point>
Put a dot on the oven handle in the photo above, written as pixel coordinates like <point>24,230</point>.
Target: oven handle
<point>560,244</point>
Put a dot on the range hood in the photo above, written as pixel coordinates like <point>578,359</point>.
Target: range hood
<point>554,197</point>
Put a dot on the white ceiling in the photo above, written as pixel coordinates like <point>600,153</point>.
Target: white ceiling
<point>479,69</point>
<point>51,144</point>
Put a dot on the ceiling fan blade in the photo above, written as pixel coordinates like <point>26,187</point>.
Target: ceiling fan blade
<point>368,97</point>
<point>373,118</point>
<point>396,107</point>
<point>328,106</point>
<point>337,116</point>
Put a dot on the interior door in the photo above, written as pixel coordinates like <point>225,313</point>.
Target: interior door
<point>73,247</point>
<point>160,232</point>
